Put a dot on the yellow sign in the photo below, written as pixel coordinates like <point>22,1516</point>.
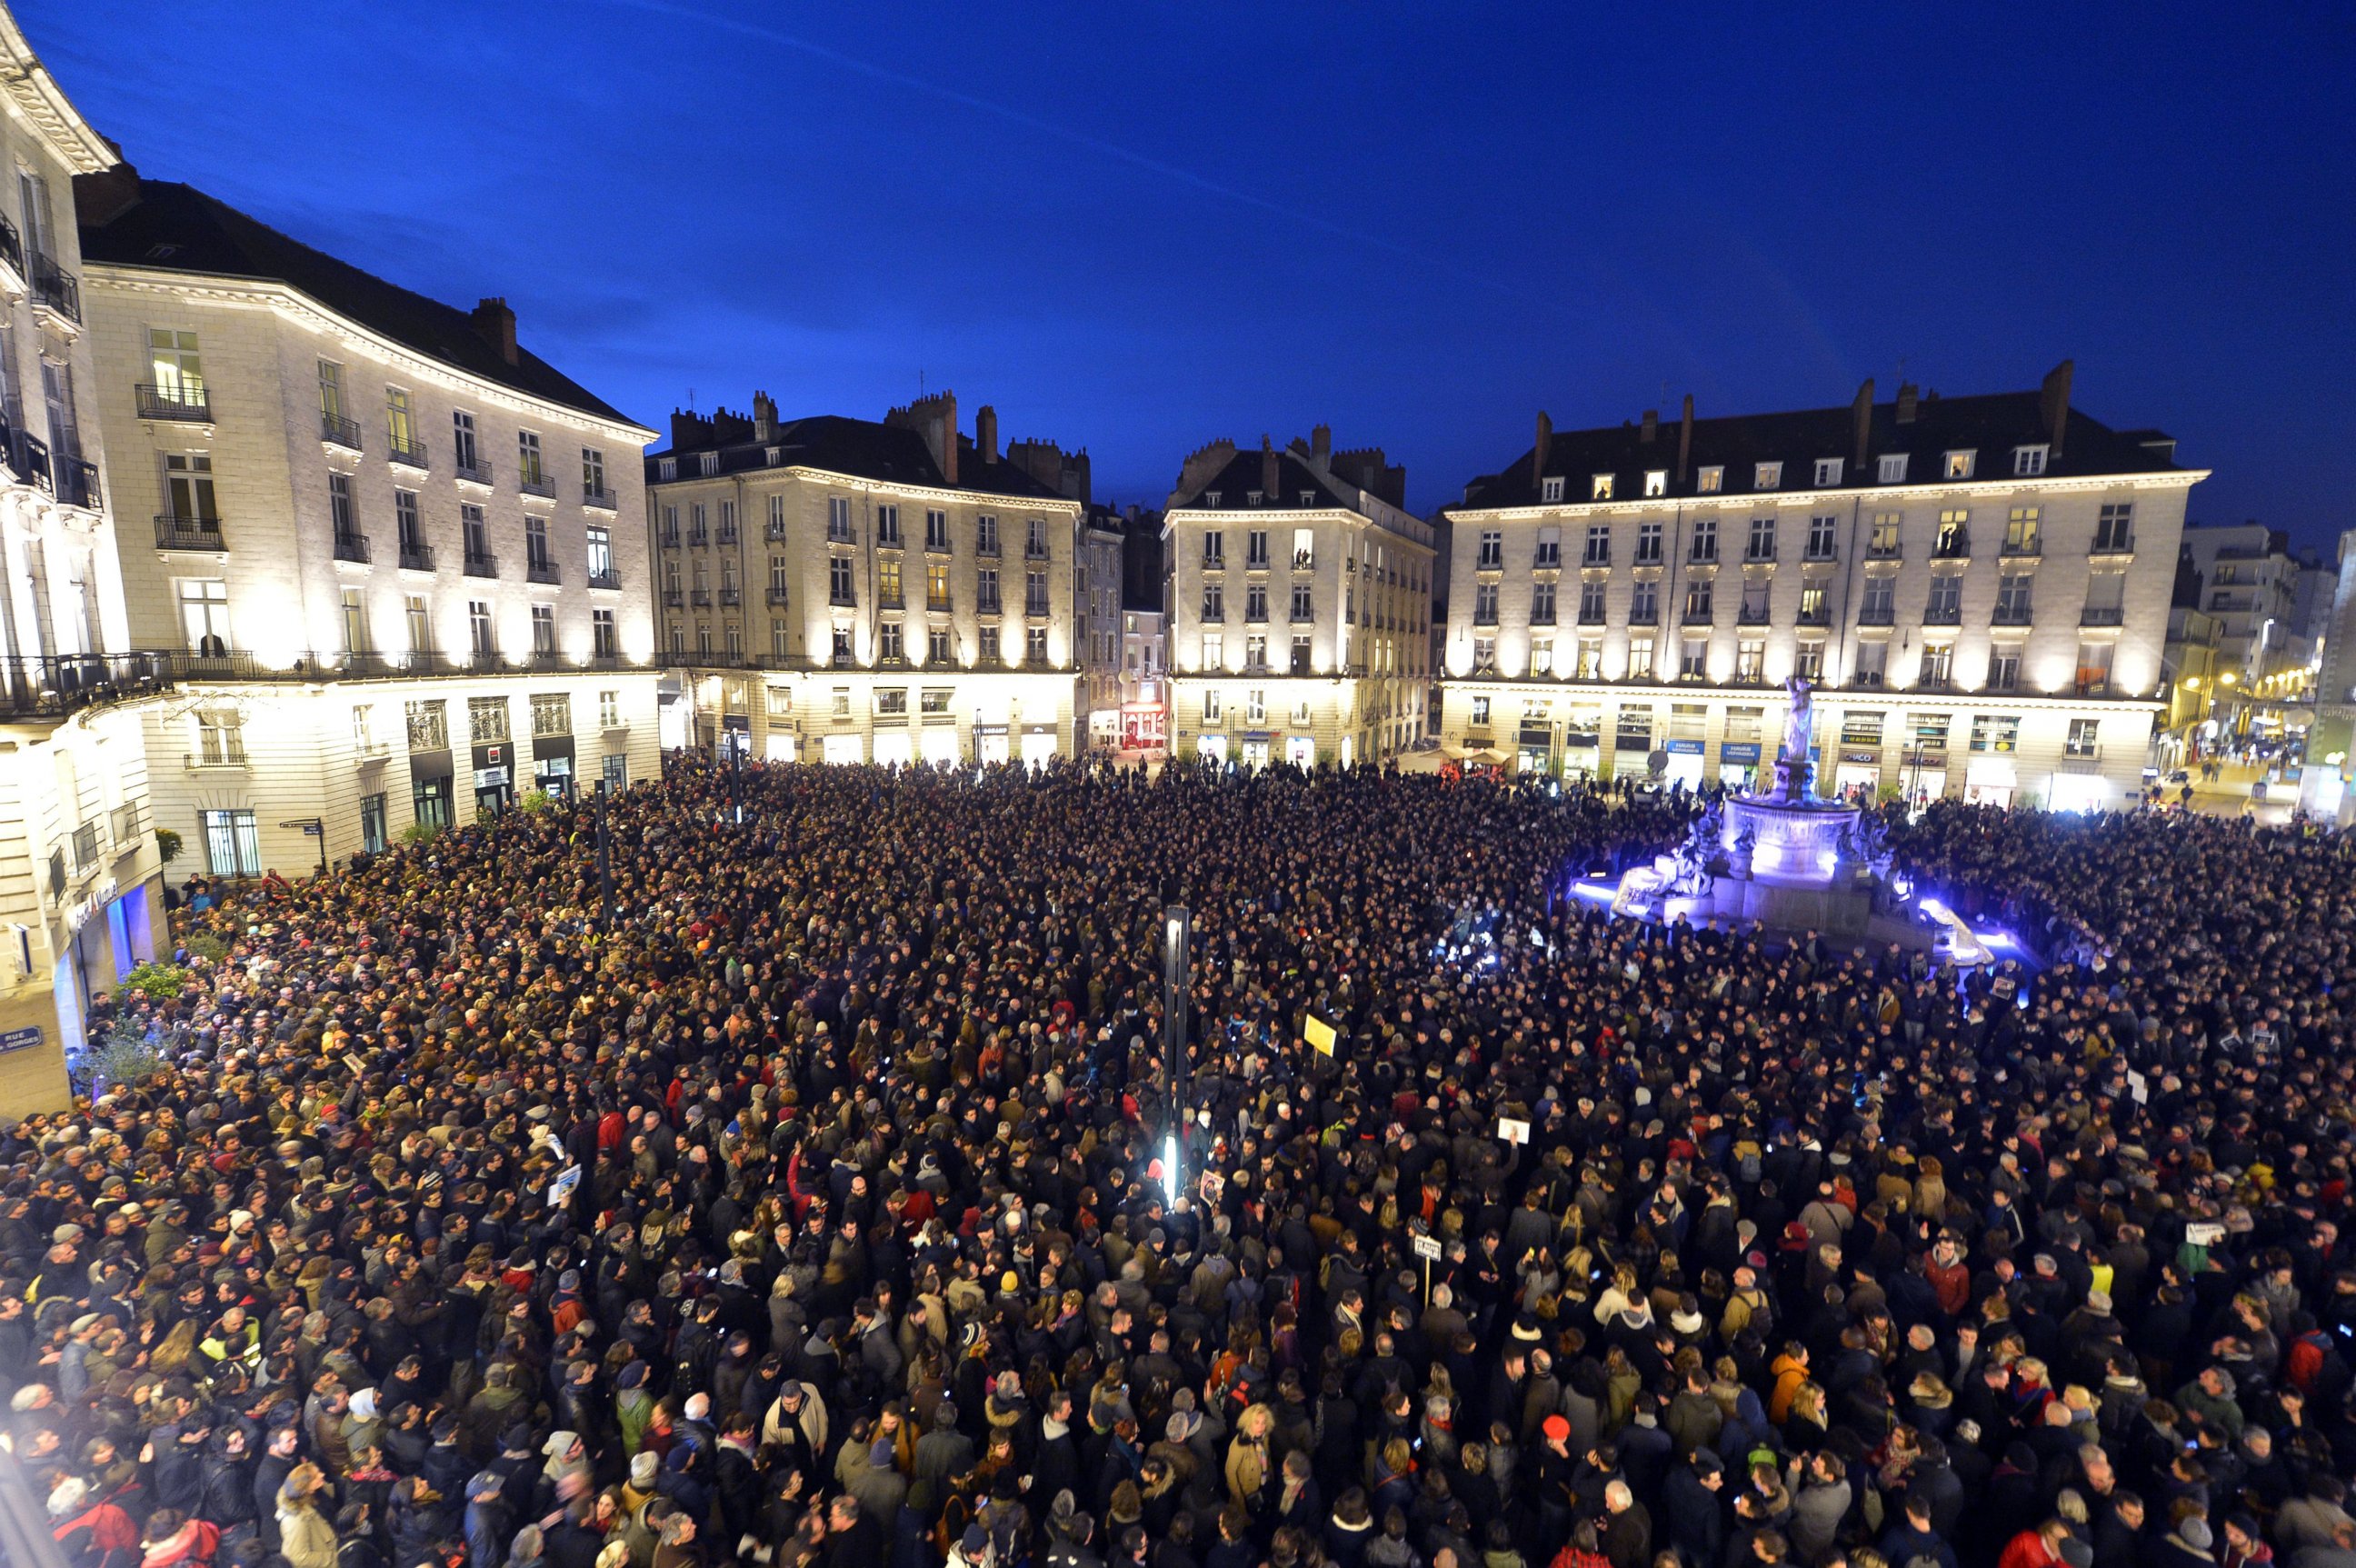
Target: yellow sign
<point>1319,1034</point>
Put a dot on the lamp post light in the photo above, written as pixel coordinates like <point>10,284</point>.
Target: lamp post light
<point>1177,933</point>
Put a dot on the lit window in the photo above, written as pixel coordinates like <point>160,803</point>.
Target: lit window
<point>1767,476</point>
<point>1603,487</point>
<point>1657,481</point>
<point>1712,480</point>
<point>1958,465</point>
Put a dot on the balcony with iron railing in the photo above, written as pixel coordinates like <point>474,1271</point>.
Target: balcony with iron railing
<point>407,451</point>
<point>353,547</point>
<point>777,598</point>
<point>416,557</point>
<point>48,687</point>
<point>731,597</point>
<point>698,538</point>
<point>1820,616</point>
<point>536,482</point>
<point>674,598</point>
<point>1877,615</point>
<point>1751,614</point>
<point>542,571</point>
<point>473,472</point>
<point>1036,550</point>
<point>2011,614</point>
<point>2022,544</point>
<point>699,597</point>
<point>608,579</point>
<point>75,481</point>
<point>726,536</point>
<point>2103,615</point>
<point>337,431</point>
<point>184,401</point>
<point>55,290</point>
<point>1953,545</point>
<point>174,532</point>
<point>480,563</point>
<point>603,499</point>
<point>2120,543</point>
<point>1942,615</point>
<point>1699,614</point>
<point>774,533</point>
<point>12,249</point>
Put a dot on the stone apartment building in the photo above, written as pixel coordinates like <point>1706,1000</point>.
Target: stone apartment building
<point>894,591</point>
<point>1978,588</point>
<point>395,560</point>
<point>79,887</point>
<point>1300,599</point>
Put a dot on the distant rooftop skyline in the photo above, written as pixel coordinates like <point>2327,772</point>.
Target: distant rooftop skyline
<point>1135,230</point>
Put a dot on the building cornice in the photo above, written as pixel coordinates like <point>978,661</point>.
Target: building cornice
<point>1966,490</point>
<point>1832,696</point>
<point>1223,515</point>
<point>300,310</point>
<point>981,499</point>
<point>35,94</point>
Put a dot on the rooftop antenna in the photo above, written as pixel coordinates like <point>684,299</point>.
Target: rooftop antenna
<point>690,399</point>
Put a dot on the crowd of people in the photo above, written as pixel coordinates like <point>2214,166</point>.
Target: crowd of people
<point>805,1198</point>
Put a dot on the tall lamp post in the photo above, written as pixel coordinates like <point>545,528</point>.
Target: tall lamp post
<point>1177,940</point>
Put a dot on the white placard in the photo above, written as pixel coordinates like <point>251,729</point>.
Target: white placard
<point>2138,1087</point>
<point>2204,1235</point>
<point>1513,1132</point>
<point>1426,1247</point>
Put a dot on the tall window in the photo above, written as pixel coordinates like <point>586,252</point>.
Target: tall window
<point>232,843</point>
<point>1640,659</point>
<point>331,390</point>
<point>204,616</point>
<point>1878,603</point>
<point>839,588</point>
<point>937,529</point>
<point>2021,532</point>
<point>543,629</point>
<point>1704,539</point>
<point>2012,601</point>
<point>220,736</point>
<point>985,535</point>
<point>1821,535</point>
<point>1763,539</point>
<point>188,490</point>
<point>339,505</point>
<point>474,535</point>
<point>602,641</point>
<point>528,457</point>
<point>421,624</point>
<point>411,530</point>
<point>399,430</point>
<point>888,642</point>
<point>936,646</point>
<point>1885,539</point>
<point>462,441</point>
<point>838,519</point>
<point>2115,529</point>
<point>173,361</point>
<point>487,719</point>
<point>355,612</point>
<point>479,635</point>
<point>1034,593</point>
<point>593,473</point>
<point>535,543</point>
<point>887,583</point>
<point>887,526</point>
<point>936,586</point>
<point>1644,603</point>
<point>1037,544</point>
<point>1648,543</point>
<point>1492,551</point>
<point>601,557</point>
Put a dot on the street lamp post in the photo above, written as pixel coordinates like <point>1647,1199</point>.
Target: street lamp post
<point>1177,933</point>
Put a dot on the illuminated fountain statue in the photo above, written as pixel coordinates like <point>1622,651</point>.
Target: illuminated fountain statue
<point>1783,857</point>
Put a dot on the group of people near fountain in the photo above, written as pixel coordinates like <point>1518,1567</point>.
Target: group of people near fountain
<point>808,1200</point>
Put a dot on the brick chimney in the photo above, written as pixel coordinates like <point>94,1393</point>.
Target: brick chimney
<point>1538,452</point>
<point>100,198</point>
<point>495,323</point>
<point>1685,440</point>
<point>1860,415</point>
<point>1906,394</point>
<point>1268,471</point>
<point>1652,431</point>
<point>985,431</point>
<point>2055,406</point>
<point>933,419</point>
<point>764,417</point>
<point>1320,446</point>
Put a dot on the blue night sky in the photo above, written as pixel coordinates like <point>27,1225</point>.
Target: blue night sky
<point>1137,227</point>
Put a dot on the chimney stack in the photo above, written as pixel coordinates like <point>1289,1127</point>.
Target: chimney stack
<point>2056,406</point>
<point>100,198</point>
<point>985,433</point>
<point>764,417</point>
<point>1906,398</point>
<point>1538,452</point>
<point>1652,432</point>
<point>1320,446</point>
<point>1685,441</point>
<point>1860,415</point>
<point>1267,470</point>
<point>496,324</point>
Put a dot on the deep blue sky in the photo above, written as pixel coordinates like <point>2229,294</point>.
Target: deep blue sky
<point>1137,227</point>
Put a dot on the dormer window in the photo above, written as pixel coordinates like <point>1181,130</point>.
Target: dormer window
<point>1211,499</point>
<point>666,469</point>
<point>1657,481</point>
<point>1253,498</point>
<point>1712,480</point>
<point>1603,487</point>
<point>1308,499</point>
<point>2027,462</point>
<point>1958,465</point>
<point>711,462</point>
<point>1550,488</point>
<point>1767,476</point>
<point>1829,472</point>
<point>1894,468</point>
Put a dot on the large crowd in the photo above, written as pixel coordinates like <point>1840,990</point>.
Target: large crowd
<point>805,1197</point>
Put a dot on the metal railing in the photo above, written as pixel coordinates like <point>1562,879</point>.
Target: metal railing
<point>60,685</point>
<point>1942,615</point>
<point>1952,546</point>
<point>2103,615</point>
<point>352,547</point>
<point>481,563</point>
<point>774,533</point>
<point>699,596</point>
<point>2011,616</point>
<point>698,538</point>
<point>731,597</point>
<point>473,472</point>
<point>186,402</point>
<point>727,537</point>
<point>674,597</point>
<point>76,483</point>
<point>542,572</point>
<point>174,532</point>
<point>410,453</point>
<point>605,579</point>
<point>778,598</point>
<point>603,501</point>
<point>417,558</point>
<point>54,287</point>
<point>537,485</point>
<point>2116,545</point>
<point>12,249</point>
<point>342,432</point>
<point>1877,615</point>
